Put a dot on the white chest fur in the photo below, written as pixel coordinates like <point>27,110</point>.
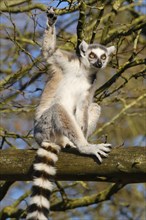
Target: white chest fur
<point>73,86</point>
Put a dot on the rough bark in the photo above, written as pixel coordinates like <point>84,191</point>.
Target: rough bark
<point>124,164</point>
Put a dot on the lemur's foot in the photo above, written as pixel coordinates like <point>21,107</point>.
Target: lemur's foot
<point>97,150</point>
<point>101,150</point>
<point>52,17</point>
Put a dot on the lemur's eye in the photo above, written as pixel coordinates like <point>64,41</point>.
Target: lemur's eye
<point>103,56</point>
<point>92,55</point>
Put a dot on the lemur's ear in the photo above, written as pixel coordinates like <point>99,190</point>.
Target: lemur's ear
<point>111,49</point>
<point>83,47</point>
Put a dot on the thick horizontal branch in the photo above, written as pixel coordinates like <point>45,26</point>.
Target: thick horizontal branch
<point>42,7</point>
<point>127,165</point>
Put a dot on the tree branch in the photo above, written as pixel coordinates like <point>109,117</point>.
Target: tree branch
<point>119,73</point>
<point>88,200</point>
<point>81,24</point>
<point>127,165</point>
<point>9,8</point>
<point>13,212</point>
<point>4,187</point>
<point>136,24</point>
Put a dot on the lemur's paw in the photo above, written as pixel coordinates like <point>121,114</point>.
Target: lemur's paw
<point>97,150</point>
<point>100,150</point>
<point>52,17</point>
<point>66,142</point>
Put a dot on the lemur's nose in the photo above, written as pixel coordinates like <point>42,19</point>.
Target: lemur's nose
<point>98,64</point>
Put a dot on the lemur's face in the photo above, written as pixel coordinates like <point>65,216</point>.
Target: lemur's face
<point>96,55</point>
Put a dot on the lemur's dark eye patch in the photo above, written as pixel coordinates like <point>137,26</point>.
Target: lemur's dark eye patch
<point>103,56</point>
<point>92,55</point>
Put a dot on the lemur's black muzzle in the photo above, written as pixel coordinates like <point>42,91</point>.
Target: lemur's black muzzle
<point>98,64</point>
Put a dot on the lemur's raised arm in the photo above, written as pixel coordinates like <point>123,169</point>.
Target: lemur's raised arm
<point>66,114</point>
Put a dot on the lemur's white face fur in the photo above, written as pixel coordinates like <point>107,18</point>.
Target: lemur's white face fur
<point>95,55</point>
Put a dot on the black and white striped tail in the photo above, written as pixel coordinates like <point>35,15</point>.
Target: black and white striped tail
<point>44,172</point>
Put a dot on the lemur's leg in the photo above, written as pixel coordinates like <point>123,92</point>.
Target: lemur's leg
<point>64,123</point>
<point>87,118</point>
<point>81,115</point>
<point>49,39</point>
<point>87,113</point>
<point>94,112</point>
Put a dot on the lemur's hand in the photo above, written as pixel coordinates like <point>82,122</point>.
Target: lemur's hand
<point>97,150</point>
<point>52,17</point>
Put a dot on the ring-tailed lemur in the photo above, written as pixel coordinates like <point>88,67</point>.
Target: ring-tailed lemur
<point>66,113</point>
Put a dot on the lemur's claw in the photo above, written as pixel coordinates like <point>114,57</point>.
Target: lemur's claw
<point>101,150</point>
<point>52,17</point>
